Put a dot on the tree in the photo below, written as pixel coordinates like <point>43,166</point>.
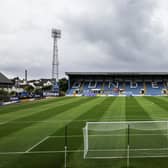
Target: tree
<point>4,95</point>
<point>29,89</point>
<point>47,88</point>
<point>63,86</point>
<point>12,93</point>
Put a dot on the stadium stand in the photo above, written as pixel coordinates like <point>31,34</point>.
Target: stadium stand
<point>117,83</point>
<point>154,88</point>
<point>134,88</point>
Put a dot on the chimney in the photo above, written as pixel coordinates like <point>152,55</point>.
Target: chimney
<point>26,75</point>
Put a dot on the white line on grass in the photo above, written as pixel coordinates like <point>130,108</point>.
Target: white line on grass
<point>86,120</point>
<point>69,151</point>
<point>39,152</point>
<point>39,121</point>
<point>79,151</point>
<point>123,157</point>
<point>62,136</point>
<point>31,148</point>
<point>12,153</point>
<point>123,150</point>
<point>99,135</point>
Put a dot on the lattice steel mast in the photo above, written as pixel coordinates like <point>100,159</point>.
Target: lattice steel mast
<point>55,62</point>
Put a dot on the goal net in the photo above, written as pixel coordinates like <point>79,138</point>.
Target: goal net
<point>136,139</point>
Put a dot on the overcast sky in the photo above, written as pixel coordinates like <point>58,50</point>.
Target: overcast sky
<point>97,36</point>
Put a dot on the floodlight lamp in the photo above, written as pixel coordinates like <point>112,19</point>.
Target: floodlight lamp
<point>56,33</point>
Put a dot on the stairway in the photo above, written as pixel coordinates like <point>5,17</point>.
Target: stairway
<point>81,87</point>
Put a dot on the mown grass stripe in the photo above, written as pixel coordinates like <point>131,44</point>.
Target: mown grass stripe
<point>159,102</point>
<point>120,108</point>
<point>7,129</point>
<point>37,103</point>
<point>97,110</point>
<point>23,110</point>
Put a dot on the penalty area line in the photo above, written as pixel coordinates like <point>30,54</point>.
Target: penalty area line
<point>38,143</point>
<point>40,152</point>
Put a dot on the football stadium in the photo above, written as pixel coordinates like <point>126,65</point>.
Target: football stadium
<point>106,106</point>
<point>106,120</point>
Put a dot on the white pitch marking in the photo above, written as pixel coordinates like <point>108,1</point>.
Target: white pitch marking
<point>44,139</point>
<point>111,135</point>
<point>79,151</point>
<point>11,153</point>
<point>39,152</point>
<point>55,121</point>
<point>69,136</point>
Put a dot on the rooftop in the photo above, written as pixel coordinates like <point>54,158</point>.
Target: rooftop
<point>4,79</point>
<point>116,73</point>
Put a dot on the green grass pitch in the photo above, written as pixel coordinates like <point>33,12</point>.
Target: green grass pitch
<point>32,133</point>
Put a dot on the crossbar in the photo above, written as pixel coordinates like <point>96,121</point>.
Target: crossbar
<point>126,122</point>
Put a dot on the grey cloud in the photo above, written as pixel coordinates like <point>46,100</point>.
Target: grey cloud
<point>97,36</point>
<point>128,36</point>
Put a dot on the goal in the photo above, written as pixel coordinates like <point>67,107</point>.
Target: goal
<point>129,139</point>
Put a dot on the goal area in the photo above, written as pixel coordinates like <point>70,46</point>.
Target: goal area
<point>129,139</point>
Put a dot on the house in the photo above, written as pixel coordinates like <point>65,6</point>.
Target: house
<point>5,83</point>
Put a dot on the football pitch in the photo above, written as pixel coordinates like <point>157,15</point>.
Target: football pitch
<point>32,134</point>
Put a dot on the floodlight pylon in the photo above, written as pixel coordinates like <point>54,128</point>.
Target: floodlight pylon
<point>56,33</point>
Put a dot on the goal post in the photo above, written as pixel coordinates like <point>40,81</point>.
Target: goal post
<point>105,140</point>
<point>85,133</point>
<point>125,139</point>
